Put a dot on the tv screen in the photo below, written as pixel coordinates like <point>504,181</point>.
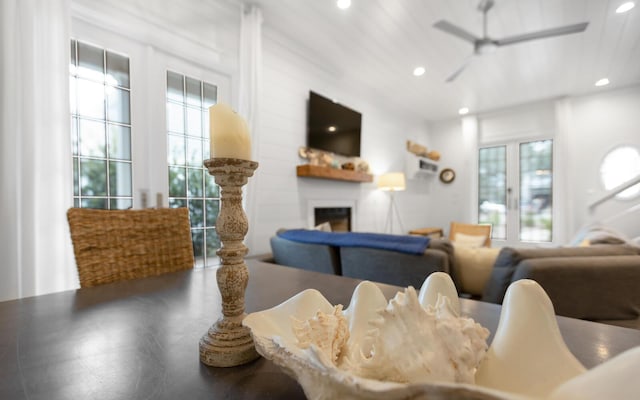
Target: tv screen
<point>333,127</point>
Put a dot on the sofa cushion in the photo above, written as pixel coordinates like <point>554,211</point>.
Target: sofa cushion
<point>392,267</point>
<point>585,287</point>
<point>509,258</point>
<point>313,257</point>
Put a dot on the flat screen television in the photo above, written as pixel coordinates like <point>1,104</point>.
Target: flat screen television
<point>333,127</point>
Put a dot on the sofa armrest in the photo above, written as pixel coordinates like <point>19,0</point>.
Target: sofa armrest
<point>392,267</point>
<point>312,257</point>
<point>593,288</point>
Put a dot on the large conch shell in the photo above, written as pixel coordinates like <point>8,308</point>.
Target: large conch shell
<point>319,345</point>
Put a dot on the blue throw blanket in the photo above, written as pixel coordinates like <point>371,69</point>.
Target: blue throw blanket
<point>400,243</point>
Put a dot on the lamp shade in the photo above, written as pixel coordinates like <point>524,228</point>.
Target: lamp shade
<point>392,181</point>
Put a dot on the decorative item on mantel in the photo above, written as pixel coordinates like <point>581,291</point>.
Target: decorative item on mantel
<point>228,343</point>
<point>421,151</point>
<point>325,165</point>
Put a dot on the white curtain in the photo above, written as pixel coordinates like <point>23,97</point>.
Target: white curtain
<point>35,151</point>
<point>249,97</point>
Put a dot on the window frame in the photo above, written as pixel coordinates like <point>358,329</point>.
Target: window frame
<point>148,65</point>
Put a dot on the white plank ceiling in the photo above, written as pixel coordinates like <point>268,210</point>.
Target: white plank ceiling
<point>375,45</point>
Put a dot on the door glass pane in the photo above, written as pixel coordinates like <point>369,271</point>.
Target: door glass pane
<point>96,202</point>
<point>177,182</point>
<point>492,190</point>
<point>93,141</point>
<point>536,182</point>
<point>120,179</point>
<point>188,102</point>
<point>195,182</point>
<point>194,121</point>
<point>210,95</point>
<point>176,150</point>
<point>90,62</point>
<point>194,97</point>
<point>194,152</point>
<point>117,70</point>
<point>120,204</point>
<point>196,213</point>
<point>90,98</point>
<point>100,128</point>
<point>119,142</point>
<point>118,105</point>
<point>175,117</point>
<point>175,87</point>
<point>197,236</point>
<point>93,177</point>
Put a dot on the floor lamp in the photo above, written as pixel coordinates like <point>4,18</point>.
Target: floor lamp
<point>392,182</point>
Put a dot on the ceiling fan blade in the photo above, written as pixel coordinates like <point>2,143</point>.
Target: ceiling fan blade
<point>456,31</point>
<point>563,30</point>
<point>461,68</point>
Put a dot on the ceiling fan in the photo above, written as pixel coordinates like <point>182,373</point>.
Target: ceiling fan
<point>485,44</point>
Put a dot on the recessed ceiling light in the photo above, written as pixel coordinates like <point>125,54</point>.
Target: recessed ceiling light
<point>343,4</point>
<point>602,82</point>
<point>331,128</point>
<point>624,7</point>
<point>419,71</point>
<point>463,111</point>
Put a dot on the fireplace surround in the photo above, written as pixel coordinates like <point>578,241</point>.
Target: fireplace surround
<point>341,214</point>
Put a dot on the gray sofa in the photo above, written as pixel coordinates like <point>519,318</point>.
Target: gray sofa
<point>600,282</point>
<point>365,263</point>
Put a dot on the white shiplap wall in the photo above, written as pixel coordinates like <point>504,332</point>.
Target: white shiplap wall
<point>593,125</point>
<point>289,72</point>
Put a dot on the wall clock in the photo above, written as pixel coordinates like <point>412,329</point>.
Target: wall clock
<point>447,175</point>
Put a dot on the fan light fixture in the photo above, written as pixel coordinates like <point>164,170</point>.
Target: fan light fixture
<point>602,82</point>
<point>624,7</point>
<point>343,4</point>
<point>486,44</point>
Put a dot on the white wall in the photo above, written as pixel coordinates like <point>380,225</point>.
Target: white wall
<point>599,123</point>
<point>448,202</point>
<point>584,128</point>
<point>289,74</point>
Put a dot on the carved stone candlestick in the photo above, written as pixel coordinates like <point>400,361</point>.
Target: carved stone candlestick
<point>228,343</point>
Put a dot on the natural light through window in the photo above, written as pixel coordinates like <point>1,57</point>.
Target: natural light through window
<point>619,166</point>
<point>190,185</point>
<point>100,128</point>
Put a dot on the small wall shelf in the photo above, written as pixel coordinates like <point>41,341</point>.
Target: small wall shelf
<point>315,171</point>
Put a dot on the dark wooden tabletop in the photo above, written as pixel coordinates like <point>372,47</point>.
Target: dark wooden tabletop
<point>139,339</point>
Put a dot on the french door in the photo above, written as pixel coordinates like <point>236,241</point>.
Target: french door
<point>515,191</point>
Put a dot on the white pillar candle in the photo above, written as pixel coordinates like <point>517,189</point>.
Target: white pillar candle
<point>229,133</point>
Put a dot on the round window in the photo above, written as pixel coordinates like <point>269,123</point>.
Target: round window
<point>620,165</point>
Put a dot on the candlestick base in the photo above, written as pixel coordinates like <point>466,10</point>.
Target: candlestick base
<point>227,343</point>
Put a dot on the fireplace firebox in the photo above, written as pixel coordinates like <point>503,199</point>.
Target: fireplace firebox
<point>338,217</point>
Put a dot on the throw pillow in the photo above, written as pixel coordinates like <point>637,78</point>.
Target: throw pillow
<point>469,240</point>
<point>324,227</point>
<point>473,267</point>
